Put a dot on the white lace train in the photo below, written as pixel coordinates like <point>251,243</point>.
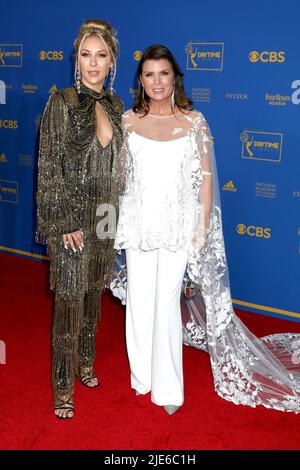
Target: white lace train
<point>246,370</point>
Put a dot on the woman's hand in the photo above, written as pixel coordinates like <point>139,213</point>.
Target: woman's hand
<point>73,240</point>
<point>200,238</point>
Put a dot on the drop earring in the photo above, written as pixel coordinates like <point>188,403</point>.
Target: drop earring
<point>78,77</point>
<point>143,92</point>
<point>111,81</point>
<point>173,98</point>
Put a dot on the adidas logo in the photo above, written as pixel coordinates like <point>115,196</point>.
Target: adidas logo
<point>229,187</point>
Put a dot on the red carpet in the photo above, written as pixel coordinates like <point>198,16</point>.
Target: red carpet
<point>112,417</point>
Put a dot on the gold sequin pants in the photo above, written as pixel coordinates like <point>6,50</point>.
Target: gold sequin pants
<point>73,340</point>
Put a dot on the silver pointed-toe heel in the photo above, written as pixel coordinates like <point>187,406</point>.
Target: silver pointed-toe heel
<point>171,409</point>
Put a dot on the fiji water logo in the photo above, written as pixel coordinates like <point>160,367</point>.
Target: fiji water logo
<point>205,56</point>
<point>260,145</point>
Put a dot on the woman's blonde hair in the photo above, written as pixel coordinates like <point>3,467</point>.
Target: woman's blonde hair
<point>102,30</point>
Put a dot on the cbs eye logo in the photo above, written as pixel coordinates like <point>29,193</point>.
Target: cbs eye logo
<point>8,124</point>
<point>267,56</point>
<point>137,55</point>
<point>51,55</point>
<point>253,231</point>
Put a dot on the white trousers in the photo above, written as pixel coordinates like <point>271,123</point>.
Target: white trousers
<point>153,323</point>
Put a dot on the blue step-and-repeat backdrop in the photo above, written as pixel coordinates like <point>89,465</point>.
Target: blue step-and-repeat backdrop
<point>241,62</point>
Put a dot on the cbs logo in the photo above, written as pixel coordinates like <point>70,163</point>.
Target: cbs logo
<point>267,56</point>
<point>8,124</point>
<point>252,231</point>
<point>51,55</point>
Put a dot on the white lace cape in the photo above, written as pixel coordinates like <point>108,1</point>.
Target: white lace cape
<point>246,370</point>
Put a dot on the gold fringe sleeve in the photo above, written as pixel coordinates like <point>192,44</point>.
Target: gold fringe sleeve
<point>55,216</point>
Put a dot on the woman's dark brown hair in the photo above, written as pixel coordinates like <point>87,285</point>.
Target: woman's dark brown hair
<point>157,52</point>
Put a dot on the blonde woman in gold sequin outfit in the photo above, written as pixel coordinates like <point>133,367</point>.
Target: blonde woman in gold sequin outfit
<point>78,173</point>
